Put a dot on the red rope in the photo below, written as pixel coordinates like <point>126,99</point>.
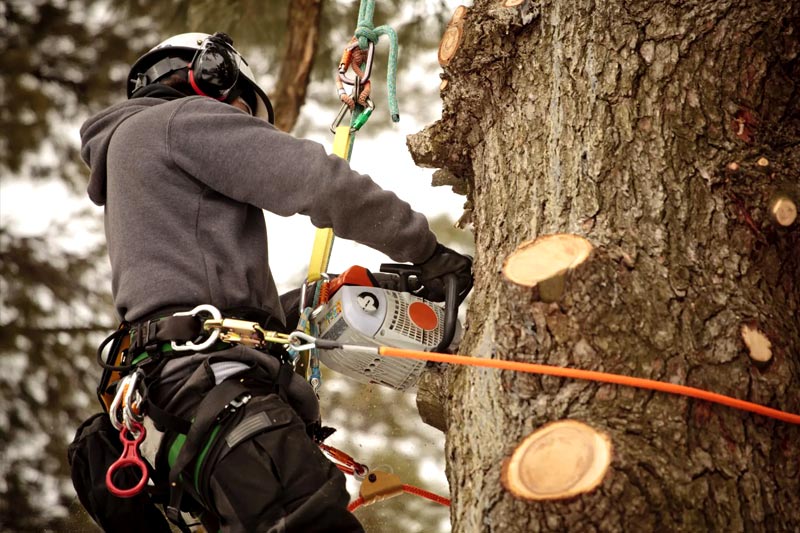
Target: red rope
<point>441,500</point>
<point>409,489</point>
<point>355,504</point>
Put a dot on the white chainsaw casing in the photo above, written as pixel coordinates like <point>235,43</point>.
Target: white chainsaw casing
<point>378,317</point>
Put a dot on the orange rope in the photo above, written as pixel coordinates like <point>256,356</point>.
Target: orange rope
<point>591,375</point>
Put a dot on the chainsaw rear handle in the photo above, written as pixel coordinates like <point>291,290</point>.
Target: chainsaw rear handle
<point>450,311</point>
<point>405,273</point>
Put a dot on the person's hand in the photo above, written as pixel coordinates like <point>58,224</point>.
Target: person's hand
<point>445,261</point>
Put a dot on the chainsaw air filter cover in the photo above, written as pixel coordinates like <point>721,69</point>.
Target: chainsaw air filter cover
<point>373,316</point>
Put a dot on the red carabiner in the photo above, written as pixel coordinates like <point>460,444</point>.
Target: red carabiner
<point>130,457</point>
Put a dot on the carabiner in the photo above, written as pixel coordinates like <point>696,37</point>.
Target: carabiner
<point>339,117</point>
<point>130,457</point>
<point>361,119</point>
<point>297,337</point>
<point>367,68</point>
<point>132,400</point>
<point>121,410</point>
<point>212,338</point>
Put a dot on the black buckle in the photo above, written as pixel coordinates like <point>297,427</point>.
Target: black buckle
<point>145,338</point>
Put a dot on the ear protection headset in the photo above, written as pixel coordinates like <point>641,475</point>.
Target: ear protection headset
<point>214,68</point>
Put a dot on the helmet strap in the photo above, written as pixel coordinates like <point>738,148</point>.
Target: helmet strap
<point>158,71</point>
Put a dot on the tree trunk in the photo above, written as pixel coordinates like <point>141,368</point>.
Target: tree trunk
<point>661,132</point>
<point>301,47</point>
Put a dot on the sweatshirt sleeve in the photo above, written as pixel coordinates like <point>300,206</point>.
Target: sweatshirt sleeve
<point>251,161</point>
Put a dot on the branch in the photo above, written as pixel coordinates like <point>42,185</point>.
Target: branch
<point>544,261</point>
<point>558,461</point>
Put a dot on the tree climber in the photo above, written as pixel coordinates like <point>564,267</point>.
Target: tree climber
<point>184,169</point>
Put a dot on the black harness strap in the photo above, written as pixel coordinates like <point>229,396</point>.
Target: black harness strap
<point>219,404</point>
<point>148,335</point>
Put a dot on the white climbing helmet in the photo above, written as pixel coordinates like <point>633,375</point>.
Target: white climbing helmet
<point>223,65</point>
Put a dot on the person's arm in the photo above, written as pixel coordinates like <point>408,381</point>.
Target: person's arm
<point>250,161</point>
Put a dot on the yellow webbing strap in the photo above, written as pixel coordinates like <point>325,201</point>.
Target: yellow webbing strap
<point>323,241</point>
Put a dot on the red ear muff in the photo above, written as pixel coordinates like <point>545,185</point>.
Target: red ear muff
<point>214,69</point>
<point>197,88</point>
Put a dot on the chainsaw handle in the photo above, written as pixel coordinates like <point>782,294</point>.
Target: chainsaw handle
<point>404,274</point>
<point>450,311</point>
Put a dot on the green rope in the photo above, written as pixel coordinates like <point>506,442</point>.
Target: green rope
<point>366,33</point>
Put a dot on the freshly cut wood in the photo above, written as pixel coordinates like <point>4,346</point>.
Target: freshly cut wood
<point>545,257</point>
<point>783,211</point>
<point>560,460</point>
<point>759,346</point>
<point>451,39</point>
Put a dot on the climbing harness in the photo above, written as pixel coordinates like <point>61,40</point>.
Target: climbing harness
<point>148,344</point>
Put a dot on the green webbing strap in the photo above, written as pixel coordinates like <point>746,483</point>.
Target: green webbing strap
<point>367,32</point>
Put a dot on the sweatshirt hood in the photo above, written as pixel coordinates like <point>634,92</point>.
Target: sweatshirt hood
<point>96,135</point>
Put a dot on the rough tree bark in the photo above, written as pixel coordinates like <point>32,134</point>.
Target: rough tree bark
<point>644,127</point>
<point>301,47</point>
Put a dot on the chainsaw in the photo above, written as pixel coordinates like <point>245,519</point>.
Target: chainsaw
<point>383,310</point>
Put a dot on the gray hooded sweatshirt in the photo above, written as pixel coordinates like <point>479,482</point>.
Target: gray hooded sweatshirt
<point>184,183</point>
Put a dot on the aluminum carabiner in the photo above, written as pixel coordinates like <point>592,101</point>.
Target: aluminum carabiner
<point>361,119</point>
<point>212,338</point>
<point>339,117</point>
<point>122,410</point>
<point>132,400</point>
<point>367,69</point>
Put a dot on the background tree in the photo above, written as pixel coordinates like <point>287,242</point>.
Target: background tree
<point>660,132</point>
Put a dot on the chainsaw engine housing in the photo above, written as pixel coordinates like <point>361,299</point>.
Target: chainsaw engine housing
<point>374,316</point>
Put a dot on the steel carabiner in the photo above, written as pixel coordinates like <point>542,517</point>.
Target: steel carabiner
<point>339,117</point>
<point>367,69</point>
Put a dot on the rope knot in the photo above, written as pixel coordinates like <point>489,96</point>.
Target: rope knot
<point>366,33</point>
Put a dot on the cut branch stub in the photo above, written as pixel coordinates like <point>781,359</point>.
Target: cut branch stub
<point>560,460</point>
<point>544,260</point>
<point>758,345</point>
<point>453,34</point>
<point>783,210</point>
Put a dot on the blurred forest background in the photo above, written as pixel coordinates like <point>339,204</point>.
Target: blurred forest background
<point>63,60</point>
